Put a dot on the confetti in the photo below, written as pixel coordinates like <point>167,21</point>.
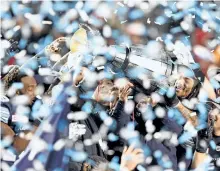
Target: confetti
<point>120,4</point>
<point>159,39</point>
<point>152,44</point>
<point>122,22</point>
<point>46,22</point>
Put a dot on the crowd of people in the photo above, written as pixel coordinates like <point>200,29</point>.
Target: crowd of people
<point>86,103</point>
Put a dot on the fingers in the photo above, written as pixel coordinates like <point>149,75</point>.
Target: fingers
<point>125,148</point>
<point>130,84</point>
<point>114,95</point>
<point>136,155</point>
<point>114,91</point>
<point>127,87</point>
<point>139,159</point>
<point>124,92</point>
<point>113,103</point>
<point>114,88</point>
<point>130,148</point>
<point>138,150</point>
<point>133,150</point>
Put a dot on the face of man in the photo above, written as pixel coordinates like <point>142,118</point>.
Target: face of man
<point>102,92</point>
<point>184,86</point>
<point>142,104</point>
<point>29,88</point>
<point>215,114</point>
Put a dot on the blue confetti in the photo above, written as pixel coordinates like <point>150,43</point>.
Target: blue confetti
<point>157,154</point>
<point>60,6</point>
<point>160,20</point>
<point>171,92</point>
<point>189,153</point>
<point>87,107</point>
<point>176,30</point>
<point>136,14</point>
<point>212,144</point>
<point>112,137</point>
<point>141,168</point>
<point>76,155</point>
<point>18,85</point>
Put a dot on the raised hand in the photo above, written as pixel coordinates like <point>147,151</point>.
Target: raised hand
<point>125,91</point>
<point>131,157</point>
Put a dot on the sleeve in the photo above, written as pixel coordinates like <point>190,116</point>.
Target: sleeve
<point>37,122</point>
<point>190,143</point>
<point>120,116</point>
<point>122,120</point>
<point>172,125</point>
<point>5,114</point>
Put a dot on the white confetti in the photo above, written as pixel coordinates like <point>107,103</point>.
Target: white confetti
<point>38,166</point>
<point>108,121</point>
<point>182,165</point>
<point>16,28</point>
<point>83,15</point>
<point>20,100</point>
<point>149,160</point>
<point>160,112</point>
<point>88,142</point>
<point>59,144</point>
<point>44,71</point>
<point>159,39</point>
<point>148,137</point>
<point>21,54</point>
<point>81,115</point>
<point>127,133</point>
<point>39,90</point>
<point>107,31</point>
<point>122,22</point>
<point>157,23</point>
<point>144,6</point>
<point>47,127</point>
<point>129,107</point>
<point>4,165</point>
<point>5,44</point>
<point>184,25</point>
<point>79,5</point>
<point>55,57</point>
<point>51,11</point>
<point>47,22</point>
<point>120,4</point>
<point>36,145</point>
<point>150,128</point>
<point>72,100</point>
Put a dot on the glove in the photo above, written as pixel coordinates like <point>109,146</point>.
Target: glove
<point>202,141</point>
<point>171,98</point>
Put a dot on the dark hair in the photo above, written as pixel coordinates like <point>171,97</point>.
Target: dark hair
<point>17,78</point>
<point>195,89</point>
<point>20,76</point>
<point>96,163</point>
<point>10,76</point>
<point>102,167</point>
<point>210,105</point>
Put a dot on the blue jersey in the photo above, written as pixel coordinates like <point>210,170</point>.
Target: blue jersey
<point>18,122</point>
